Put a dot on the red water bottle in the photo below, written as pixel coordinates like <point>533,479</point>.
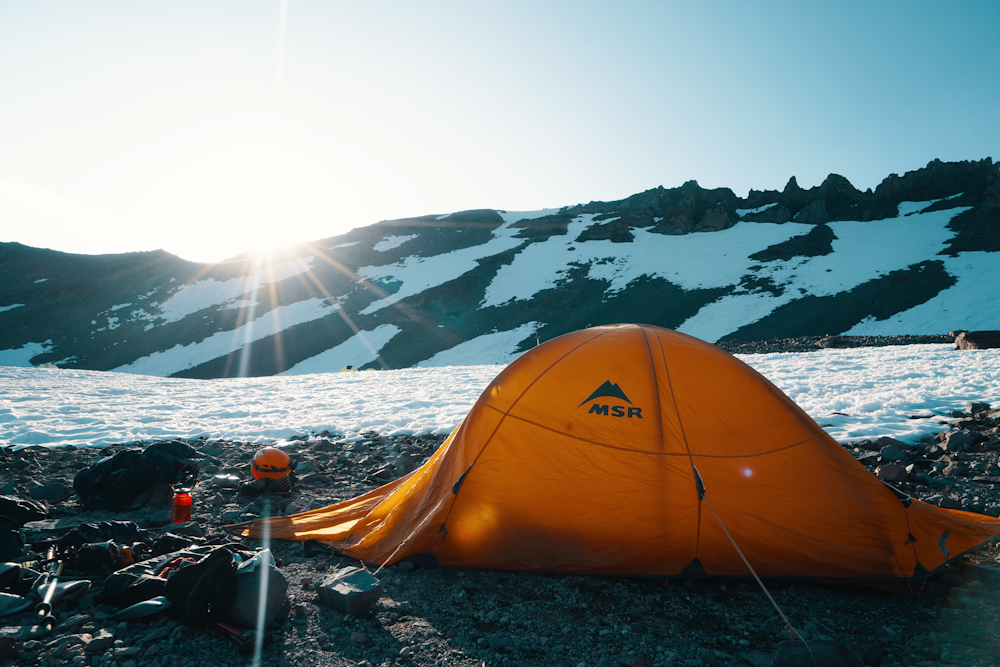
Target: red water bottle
<point>182,506</point>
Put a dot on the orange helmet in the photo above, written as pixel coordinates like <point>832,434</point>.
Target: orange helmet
<point>270,462</point>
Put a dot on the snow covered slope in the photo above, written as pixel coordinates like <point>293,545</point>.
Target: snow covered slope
<point>920,255</point>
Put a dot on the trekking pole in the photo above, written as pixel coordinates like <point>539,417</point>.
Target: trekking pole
<point>44,608</point>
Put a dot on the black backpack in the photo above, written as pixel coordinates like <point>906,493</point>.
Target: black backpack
<point>134,477</point>
<point>202,593</point>
<point>14,513</point>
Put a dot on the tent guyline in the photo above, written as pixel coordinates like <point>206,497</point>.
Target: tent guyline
<point>789,628</point>
<point>581,457</point>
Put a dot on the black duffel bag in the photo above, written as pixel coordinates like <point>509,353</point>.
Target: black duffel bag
<point>134,477</point>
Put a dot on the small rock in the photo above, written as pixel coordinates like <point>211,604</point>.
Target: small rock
<point>497,641</point>
<point>893,453</point>
<point>793,653</point>
<point>949,503</point>
<point>315,478</point>
<point>407,651</point>
<point>976,408</point>
<point>708,659</point>
<point>359,638</point>
<point>10,488</point>
<point>892,472</point>
<point>159,518</point>
<point>100,642</point>
<point>75,621</point>
<point>884,441</point>
<point>958,441</point>
<point>874,654</point>
<point>53,493</point>
<point>230,516</point>
<point>350,589</point>
<point>153,635</point>
<point>756,659</point>
<point>187,529</point>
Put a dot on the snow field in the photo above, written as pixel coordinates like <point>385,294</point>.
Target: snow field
<point>876,389</point>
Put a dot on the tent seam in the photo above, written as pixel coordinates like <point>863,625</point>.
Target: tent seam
<point>680,423</point>
<point>505,414</point>
<point>652,453</point>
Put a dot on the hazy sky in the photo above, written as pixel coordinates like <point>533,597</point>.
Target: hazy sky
<point>186,126</point>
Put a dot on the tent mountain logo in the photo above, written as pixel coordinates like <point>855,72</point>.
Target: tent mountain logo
<point>609,390</point>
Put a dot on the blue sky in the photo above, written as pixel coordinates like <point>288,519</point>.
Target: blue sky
<point>185,125</point>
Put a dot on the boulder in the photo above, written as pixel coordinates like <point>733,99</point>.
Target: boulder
<point>976,408</point>
<point>977,340</point>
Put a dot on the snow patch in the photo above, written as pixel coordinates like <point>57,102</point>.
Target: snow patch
<point>344,245</point>
<point>390,242</point>
<point>22,356</point>
<point>731,312</point>
<point>41,280</point>
<point>862,251</point>
<point>360,349</point>
<point>10,307</point>
<point>760,209</point>
<point>206,293</point>
<point>238,304</point>
<point>692,261</point>
<point>499,347</point>
<point>421,273</point>
<point>182,357</point>
<point>973,302</point>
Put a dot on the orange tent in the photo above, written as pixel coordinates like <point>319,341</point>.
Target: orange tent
<point>624,450</point>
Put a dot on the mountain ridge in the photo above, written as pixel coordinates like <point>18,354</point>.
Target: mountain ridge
<point>428,289</point>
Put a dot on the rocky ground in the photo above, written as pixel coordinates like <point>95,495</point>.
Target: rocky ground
<point>812,343</point>
<point>441,616</point>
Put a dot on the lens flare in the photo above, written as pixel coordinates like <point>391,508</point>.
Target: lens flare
<point>258,646</point>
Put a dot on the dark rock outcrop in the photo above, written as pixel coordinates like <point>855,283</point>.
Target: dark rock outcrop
<point>977,340</point>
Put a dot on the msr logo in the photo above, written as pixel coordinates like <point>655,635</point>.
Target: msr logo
<point>609,390</point>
